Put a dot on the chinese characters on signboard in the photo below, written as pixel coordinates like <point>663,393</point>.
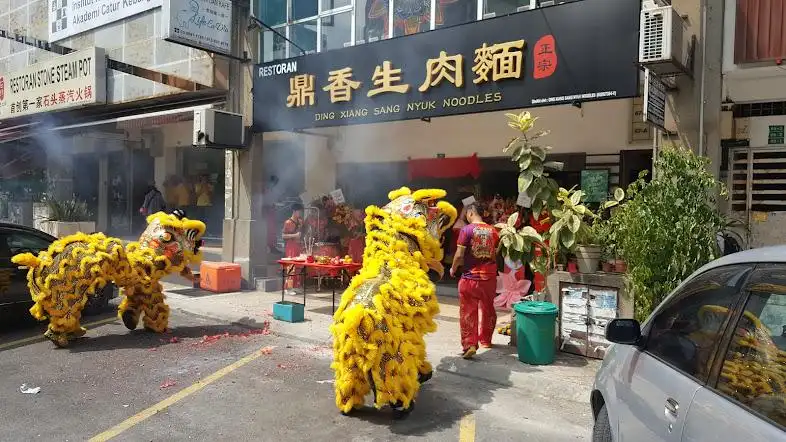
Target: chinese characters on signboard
<point>516,61</point>
<point>68,81</point>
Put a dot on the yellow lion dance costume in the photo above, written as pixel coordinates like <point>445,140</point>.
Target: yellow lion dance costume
<point>389,306</point>
<point>77,266</point>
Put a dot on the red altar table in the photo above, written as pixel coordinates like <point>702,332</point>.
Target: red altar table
<point>290,267</point>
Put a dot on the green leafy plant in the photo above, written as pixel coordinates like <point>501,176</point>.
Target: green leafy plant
<point>518,245</point>
<point>534,170</point>
<point>573,220</point>
<point>669,226</point>
<point>70,210</point>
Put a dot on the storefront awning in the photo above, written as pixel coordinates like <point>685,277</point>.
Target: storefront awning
<point>145,113</point>
<point>457,167</point>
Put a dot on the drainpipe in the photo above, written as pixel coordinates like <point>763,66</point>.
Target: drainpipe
<point>702,32</point>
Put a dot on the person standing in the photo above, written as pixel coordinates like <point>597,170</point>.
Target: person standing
<point>153,202</point>
<point>292,234</point>
<point>476,253</point>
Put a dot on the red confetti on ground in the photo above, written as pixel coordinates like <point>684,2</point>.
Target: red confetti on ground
<point>153,349</point>
<point>267,350</point>
<point>209,339</point>
<point>174,340</point>
<point>168,383</point>
<point>282,366</point>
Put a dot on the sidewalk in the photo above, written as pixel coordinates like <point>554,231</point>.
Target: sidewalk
<point>569,378</point>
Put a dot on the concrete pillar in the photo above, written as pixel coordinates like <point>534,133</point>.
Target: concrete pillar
<point>320,165</point>
<point>688,101</point>
<point>244,231</point>
<point>59,169</point>
<point>103,193</point>
<point>165,164</point>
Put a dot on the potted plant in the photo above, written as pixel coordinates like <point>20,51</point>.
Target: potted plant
<point>572,232</point>
<point>66,217</point>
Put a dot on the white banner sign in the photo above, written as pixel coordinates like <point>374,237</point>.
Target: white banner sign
<point>68,81</point>
<point>338,196</point>
<point>71,17</point>
<point>202,24</point>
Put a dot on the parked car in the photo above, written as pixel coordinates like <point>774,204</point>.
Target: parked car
<point>14,294</point>
<point>709,364</point>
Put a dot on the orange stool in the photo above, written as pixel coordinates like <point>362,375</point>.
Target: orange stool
<point>220,277</point>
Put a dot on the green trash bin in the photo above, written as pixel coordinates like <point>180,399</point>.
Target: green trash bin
<point>535,321</point>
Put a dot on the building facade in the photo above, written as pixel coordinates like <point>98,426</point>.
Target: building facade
<point>754,115</point>
<point>135,130</point>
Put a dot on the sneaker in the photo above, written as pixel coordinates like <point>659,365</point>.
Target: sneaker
<point>470,352</point>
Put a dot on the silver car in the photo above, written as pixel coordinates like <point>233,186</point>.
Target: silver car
<point>708,365</point>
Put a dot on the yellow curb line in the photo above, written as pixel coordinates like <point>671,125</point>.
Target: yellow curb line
<point>467,429</point>
<point>171,400</point>
<point>41,338</point>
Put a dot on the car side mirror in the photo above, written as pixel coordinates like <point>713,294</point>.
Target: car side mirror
<point>623,331</point>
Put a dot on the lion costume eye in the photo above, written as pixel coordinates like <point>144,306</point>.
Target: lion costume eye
<point>166,237</point>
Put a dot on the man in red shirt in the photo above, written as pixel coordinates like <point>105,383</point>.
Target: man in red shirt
<point>476,252</point>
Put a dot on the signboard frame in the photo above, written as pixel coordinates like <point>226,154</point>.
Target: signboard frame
<point>550,56</point>
<point>589,195</point>
<point>776,134</point>
<point>66,82</point>
<point>68,18</point>
<point>654,100</point>
<point>197,29</point>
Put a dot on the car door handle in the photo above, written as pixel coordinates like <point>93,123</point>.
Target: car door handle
<point>672,407</point>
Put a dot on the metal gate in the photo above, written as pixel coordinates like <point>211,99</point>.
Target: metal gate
<point>757,187</point>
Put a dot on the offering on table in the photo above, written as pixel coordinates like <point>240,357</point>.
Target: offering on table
<point>310,259</point>
<point>347,259</point>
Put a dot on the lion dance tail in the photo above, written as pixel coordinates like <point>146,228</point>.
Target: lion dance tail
<point>31,261</point>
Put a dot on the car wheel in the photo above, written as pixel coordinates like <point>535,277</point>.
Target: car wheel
<point>601,432</point>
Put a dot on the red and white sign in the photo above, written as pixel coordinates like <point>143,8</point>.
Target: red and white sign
<point>69,81</point>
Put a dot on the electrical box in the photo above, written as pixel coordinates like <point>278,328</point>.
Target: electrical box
<point>218,129</point>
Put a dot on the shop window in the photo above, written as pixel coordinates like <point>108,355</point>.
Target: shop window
<point>497,8</point>
<point>455,12</point>
<point>336,31</point>
<point>304,8</point>
<point>371,20</point>
<point>752,372</point>
<point>274,46</point>
<point>304,35</point>
<point>411,16</point>
<point>272,12</point>
<point>329,5</point>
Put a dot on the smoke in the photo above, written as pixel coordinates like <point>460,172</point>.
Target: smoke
<point>57,149</point>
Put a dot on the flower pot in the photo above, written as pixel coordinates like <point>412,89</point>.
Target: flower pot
<point>588,258</point>
<point>607,267</point>
<point>572,267</point>
<point>620,266</point>
<point>560,267</point>
<point>60,229</point>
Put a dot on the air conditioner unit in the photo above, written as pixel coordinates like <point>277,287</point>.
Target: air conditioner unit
<point>664,45</point>
<point>218,129</point>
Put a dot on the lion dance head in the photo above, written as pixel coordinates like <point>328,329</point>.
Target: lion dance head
<point>171,241</point>
<point>420,218</point>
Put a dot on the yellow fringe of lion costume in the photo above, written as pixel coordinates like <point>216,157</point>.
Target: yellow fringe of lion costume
<point>62,277</point>
<point>389,306</point>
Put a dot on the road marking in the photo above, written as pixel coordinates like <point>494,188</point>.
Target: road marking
<point>467,429</point>
<point>19,342</point>
<point>171,400</point>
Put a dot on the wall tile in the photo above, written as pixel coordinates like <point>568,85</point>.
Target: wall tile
<point>202,70</point>
<point>18,22</point>
<point>5,6</point>
<point>167,52</point>
<point>140,28</point>
<point>139,54</point>
<point>110,36</point>
<point>39,20</point>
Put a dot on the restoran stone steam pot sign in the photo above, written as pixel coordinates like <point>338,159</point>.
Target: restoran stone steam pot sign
<point>65,82</point>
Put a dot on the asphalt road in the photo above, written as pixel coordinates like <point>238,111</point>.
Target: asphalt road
<point>137,386</point>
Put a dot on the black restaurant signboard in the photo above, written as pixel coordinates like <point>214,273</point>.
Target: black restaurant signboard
<point>575,52</point>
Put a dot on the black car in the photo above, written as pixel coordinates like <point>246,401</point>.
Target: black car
<point>14,294</point>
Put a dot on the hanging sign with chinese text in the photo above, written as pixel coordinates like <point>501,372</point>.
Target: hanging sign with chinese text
<point>579,51</point>
<point>72,17</point>
<point>65,82</point>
